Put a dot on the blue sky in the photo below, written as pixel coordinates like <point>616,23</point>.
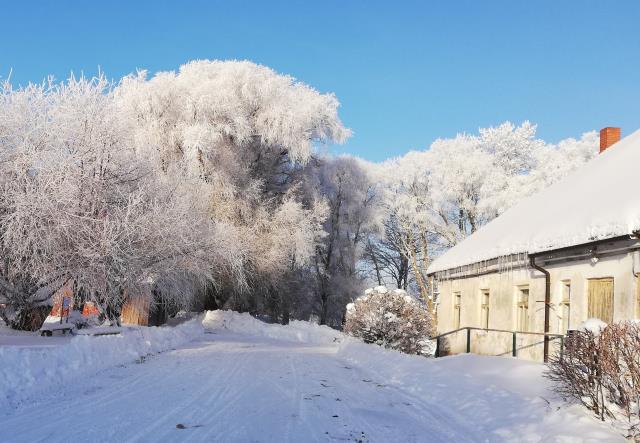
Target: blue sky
<point>405,72</point>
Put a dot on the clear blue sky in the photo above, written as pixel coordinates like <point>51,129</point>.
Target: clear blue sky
<point>406,72</point>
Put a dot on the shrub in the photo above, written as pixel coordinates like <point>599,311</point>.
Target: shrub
<point>391,319</point>
<point>600,368</point>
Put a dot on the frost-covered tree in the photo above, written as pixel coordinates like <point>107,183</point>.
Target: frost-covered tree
<point>435,198</point>
<point>461,183</point>
<point>186,180</point>
<point>79,202</point>
<point>350,194</point>
<point>206,184</point>
<point>244,132</point>
<point>472,179</point>
<point>406,202</point>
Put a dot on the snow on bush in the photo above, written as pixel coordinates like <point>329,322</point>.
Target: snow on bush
<point>26,371</point>
<point>600,368</point>
<point>391,319</point>
<point>593,325</point>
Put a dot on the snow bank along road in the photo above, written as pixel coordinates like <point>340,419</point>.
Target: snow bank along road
<point>298,383</point>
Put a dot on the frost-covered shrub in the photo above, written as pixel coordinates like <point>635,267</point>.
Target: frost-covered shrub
<point>391,319</point>
<point>600,368</point>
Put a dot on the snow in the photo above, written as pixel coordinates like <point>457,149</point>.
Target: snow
<point>593,325</point>
<point>31,363</point>
<point>381,289</point>
<point>31,340</point>
<point>11,337</point>
<point>595,202</point>
<point>244,381</point>
<point>295,331</point>
<point>56,323</point>
<point>99,330</point>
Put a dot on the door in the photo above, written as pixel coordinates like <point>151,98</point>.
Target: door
<point>600,303</point>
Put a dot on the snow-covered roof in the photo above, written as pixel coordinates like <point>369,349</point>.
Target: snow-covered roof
<point>598,201</point>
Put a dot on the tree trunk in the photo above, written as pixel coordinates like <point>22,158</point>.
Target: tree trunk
<point>285,309</point>
<point>324,297</point>
<point>424,293</point>
<point>375,264</point>
<point>404,272</point>
<point>285,315</point>
<point>210,301</point>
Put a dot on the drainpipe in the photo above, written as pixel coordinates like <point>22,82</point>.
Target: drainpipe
<point>635,263</point>
<point>634,269</point>
<point>547,303</point>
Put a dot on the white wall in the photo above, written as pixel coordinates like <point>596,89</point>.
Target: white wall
<point>503,288</point>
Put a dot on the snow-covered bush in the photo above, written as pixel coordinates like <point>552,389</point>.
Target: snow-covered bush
<point>600,367</point>
<point>392,319</point>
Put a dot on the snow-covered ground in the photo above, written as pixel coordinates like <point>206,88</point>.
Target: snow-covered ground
<point>239,380</point>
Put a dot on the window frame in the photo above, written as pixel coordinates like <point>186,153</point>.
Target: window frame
<point>457,309</point>
<point>521,305</point>
<point>564,305</point>
<point>485,308</point>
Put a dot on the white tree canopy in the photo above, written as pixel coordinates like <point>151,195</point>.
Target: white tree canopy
<point>183,178</point>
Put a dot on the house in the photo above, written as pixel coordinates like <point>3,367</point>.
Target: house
<point>566,254</point>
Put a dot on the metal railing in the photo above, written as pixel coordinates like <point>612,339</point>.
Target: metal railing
<point>514,341</point>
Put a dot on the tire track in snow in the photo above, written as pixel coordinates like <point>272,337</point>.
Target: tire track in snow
<point>375,419</point>
<point>237,388</point>
<point>438,416</point>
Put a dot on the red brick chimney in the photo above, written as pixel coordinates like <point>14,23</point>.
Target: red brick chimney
<point>608,136</point>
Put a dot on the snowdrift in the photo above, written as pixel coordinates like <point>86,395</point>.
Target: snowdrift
<point>295,331</point>
<point>26,371</point>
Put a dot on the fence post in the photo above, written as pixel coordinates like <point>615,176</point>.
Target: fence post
<point>468,340</point>
<point>514,348</point>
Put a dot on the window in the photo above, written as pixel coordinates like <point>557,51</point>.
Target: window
<point>565,308</point>
<point>484,309</point>
<point>522,308</point>
<point>600,303</point>
<point>456,310</point>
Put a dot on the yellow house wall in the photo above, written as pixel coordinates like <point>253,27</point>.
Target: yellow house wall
<point>503,288</point>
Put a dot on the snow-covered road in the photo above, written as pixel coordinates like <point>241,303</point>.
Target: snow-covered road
<point>231,388</point>
<point>300,384</point>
